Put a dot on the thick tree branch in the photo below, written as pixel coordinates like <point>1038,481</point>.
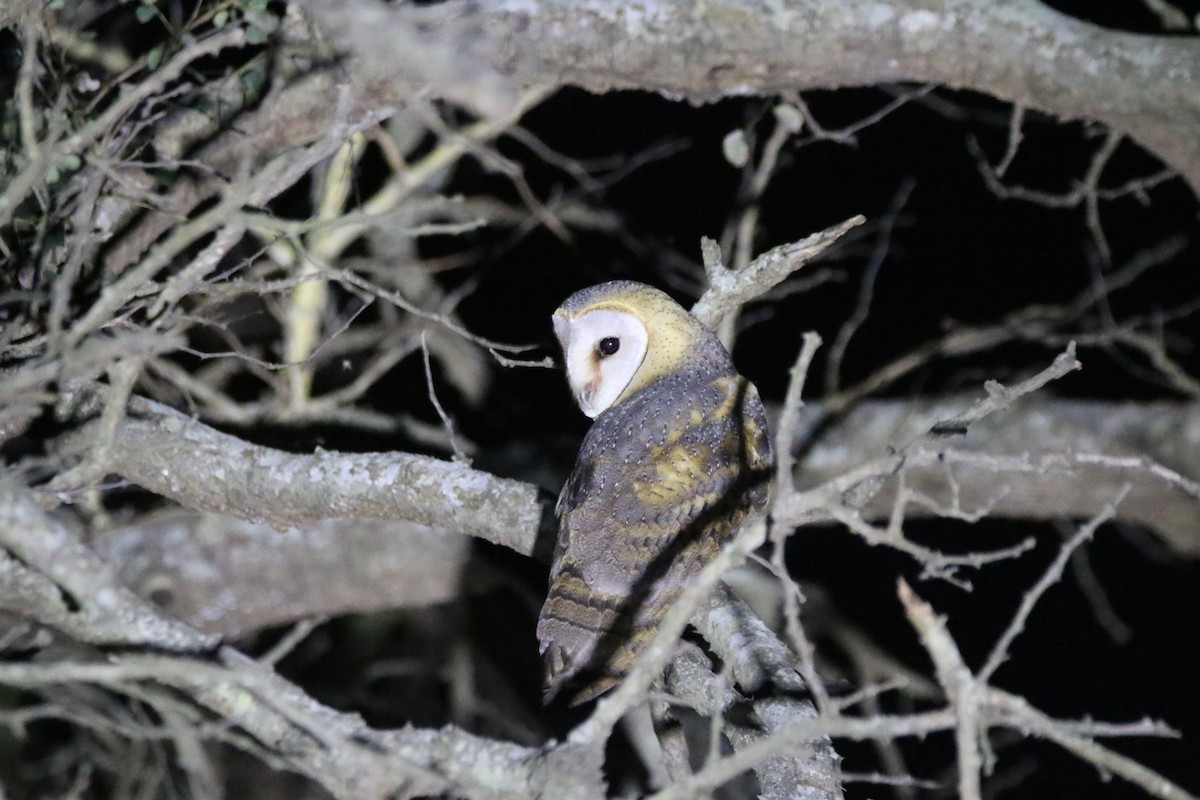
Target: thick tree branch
<point>808,770</point>
<point>47,574</point>
<point>206,470</point>
<point>338,751</point>
<point>1020,51</point>
<point>1041,459</point>
<point>756,658</point>
<point>228,577</point>
<point>393,47</point>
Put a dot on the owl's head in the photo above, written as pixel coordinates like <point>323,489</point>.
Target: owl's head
<point>618,336</point>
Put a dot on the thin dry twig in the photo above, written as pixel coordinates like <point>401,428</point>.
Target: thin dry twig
<point>730,289</point>
<point>447,423</point>
<point>866,292</point>
<point>1051,576</point>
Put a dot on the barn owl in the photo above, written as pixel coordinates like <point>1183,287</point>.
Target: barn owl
<point>678,455</point>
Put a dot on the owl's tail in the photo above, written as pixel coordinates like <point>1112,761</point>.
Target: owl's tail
<point>590,641</point>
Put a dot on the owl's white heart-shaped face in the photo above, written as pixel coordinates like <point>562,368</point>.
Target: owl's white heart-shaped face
<point>603,350</point>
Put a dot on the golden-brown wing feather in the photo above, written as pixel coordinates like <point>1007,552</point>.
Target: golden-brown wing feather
<point>662,481</point>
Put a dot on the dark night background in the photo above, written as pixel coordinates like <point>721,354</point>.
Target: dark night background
<point>958,255</point>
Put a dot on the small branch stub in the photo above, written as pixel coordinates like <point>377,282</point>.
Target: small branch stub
<point>730,289</point>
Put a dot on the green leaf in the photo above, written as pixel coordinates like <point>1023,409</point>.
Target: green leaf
<point>255,35</point>
<point>252,82</point>
<point>220,18</point>
<point>154,57</point>
<point>735,148</point>
<point>257,5</point>
<point>63,167</point>
<point>144,13</point>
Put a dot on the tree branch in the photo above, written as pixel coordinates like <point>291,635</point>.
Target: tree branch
<point>336,750</point>
<point>729,289</point>
<point>1044,458</point>
<point>1020,51</point>
<point>206,470</point>
<point>229,577</point>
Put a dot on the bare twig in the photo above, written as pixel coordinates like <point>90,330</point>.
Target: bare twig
<point>1052,575</point>
<point>866,292</point>
<point>960,686</point>
<point>729,289</point>
<point>447,423</point>
<point>1000,397</point>
<point>1020,715</point>
<point>50,152</point>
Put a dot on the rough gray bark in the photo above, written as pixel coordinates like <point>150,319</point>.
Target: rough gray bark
<point>206,470</point>
<point>1021,51</point>
<point>1038,451</point>
<point>49,576</point>
<point>338,751</point>
<point>1043,459</point>
<point>227,577</point>
<point>225,572</point>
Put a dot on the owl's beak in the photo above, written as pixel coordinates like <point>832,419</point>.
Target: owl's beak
<point>585,396</point>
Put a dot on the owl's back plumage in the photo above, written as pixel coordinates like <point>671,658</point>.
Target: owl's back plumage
<point>663,479</point>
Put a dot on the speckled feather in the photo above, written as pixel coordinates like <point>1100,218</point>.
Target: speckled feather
<point>663,479</point>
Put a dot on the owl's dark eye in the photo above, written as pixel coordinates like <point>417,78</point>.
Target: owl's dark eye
<point>609,345</point>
